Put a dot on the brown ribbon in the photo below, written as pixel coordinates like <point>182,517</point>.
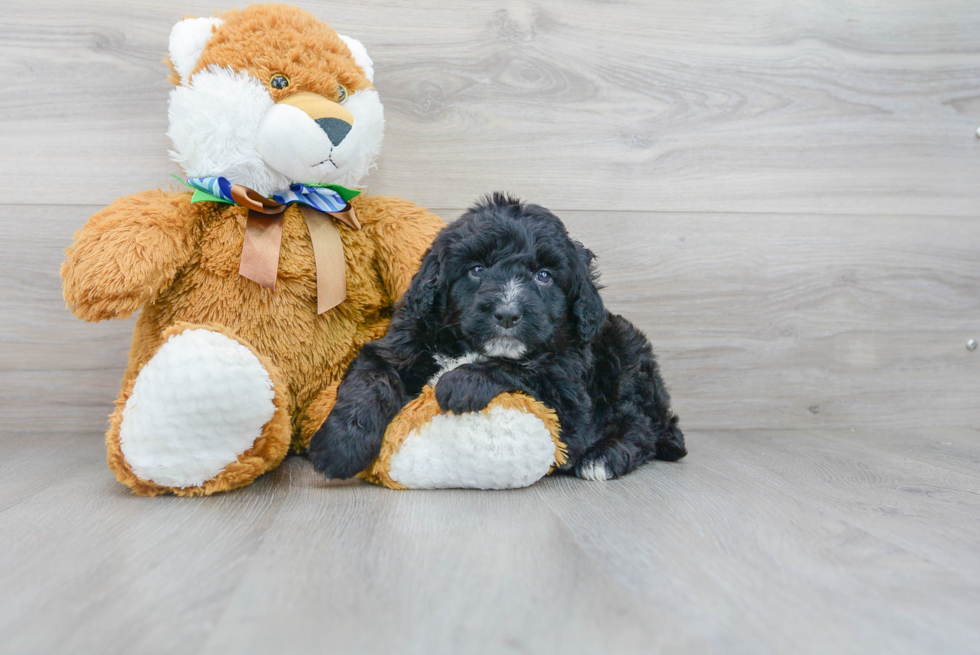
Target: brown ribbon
<point>263,239</point>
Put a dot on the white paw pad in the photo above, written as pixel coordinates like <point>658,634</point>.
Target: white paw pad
<point>595,471</point>
<point>197,405</point>
<point>499,449</point>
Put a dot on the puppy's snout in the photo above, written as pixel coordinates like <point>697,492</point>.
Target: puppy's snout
<point>507,315</point>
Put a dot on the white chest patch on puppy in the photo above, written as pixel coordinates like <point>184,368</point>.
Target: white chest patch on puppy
<point>447,363</point>
<point>505,347</point>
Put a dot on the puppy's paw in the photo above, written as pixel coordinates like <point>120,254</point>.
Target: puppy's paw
<point>593,469</point>
<point>339,453</point>
<point>670,445</point>
<point>464,390</point>
<point>317,450</point>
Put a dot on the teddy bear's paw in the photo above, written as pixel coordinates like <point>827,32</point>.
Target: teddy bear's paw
<point>499,448</point>
<point>196,406</point>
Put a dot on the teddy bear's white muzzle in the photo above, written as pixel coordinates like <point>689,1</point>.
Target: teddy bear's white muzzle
<point>300,147</point>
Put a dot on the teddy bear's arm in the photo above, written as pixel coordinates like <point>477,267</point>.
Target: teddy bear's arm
<point>127,253</point>
<point>403,232</point>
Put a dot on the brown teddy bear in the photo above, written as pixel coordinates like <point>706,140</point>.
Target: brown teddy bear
<point>224,366</point>
<point>258,289</point>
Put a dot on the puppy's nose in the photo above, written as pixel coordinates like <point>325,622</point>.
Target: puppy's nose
<point>507,315</point>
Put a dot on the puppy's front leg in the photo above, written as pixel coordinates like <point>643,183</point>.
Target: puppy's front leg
<point>471,387</point>
<point>369,397</point>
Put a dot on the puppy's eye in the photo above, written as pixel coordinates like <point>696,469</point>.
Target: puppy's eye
<point>279,81</point>
<point>543,277</point>
<point>341,93</point>
<point>477,271</point>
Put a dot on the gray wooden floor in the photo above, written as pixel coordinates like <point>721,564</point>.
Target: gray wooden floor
<point>765,541</point>
<point>783,195</point>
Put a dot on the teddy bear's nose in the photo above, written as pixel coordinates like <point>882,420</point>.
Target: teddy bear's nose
<point>335,128</point>
<point>334,120</point>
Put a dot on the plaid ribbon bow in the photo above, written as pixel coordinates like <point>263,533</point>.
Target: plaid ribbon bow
<point>326,198</point>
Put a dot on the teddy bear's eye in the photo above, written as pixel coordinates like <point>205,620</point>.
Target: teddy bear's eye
<point>341,93</point>
<point>279,81</point>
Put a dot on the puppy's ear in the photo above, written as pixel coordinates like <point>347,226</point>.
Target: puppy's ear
<point>587,307</point>
<point>425,291</point>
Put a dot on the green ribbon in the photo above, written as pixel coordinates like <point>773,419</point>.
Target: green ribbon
<point>200,195</point>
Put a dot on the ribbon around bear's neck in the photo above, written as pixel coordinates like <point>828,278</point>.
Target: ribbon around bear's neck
<point>320,205</point>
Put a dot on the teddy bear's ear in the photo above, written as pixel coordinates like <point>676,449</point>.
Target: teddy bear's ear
<point>187,41</point>
<point>360,56</point>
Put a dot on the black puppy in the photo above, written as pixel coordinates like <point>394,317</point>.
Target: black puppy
<point>506,297</point>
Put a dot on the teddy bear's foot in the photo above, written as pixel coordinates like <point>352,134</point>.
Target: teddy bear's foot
<point>205,414</point>
<point>512,443</point>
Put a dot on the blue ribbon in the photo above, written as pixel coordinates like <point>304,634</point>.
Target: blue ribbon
<point>322,198</point>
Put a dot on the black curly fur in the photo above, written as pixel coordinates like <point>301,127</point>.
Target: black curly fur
<point>481,284</point>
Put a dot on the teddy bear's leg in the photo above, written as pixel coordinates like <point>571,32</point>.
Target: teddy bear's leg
<point>205,414</point>
<point>512,443</point>
<point>316,415</point>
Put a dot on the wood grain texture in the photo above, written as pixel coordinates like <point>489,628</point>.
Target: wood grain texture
<point>760,321</point>
<point>853,107</point>
<point>761,541</point>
